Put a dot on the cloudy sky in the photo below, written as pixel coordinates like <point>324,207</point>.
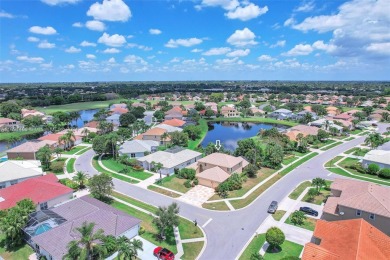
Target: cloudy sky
<point>105,40</point>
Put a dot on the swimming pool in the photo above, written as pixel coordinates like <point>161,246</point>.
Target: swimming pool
<point>42,229</point>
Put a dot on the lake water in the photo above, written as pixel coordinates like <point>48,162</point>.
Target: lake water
<point>229,133</point>
<point>85,115</point>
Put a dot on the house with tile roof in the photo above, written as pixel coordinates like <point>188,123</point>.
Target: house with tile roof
<point>354,239</point>
<point>49,231</point>
<point>154,134</point>
<point>229,111</point>
<point>353,199</point>
<point>293,132</point>
<point>45,191</point>
<point>15,171</point>
<point>174,122</point>
<point>7,123</point>
<point>29,149</point>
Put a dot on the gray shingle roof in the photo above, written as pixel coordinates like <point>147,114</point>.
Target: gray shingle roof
<point>137,146</point>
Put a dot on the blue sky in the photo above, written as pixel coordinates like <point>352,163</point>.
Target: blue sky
<point>128,40</point>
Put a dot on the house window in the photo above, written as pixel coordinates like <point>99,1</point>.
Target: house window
<point>14,182</point>
<point>358,212</point>
<point>132,155</point>
<point>2,185</point>
<point>43,205</point>
<point>372,216</point>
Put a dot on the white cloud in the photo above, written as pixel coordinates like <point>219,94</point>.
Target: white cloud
<point>225,4</point>
<point>266,58</point>
<point>320,45</point>
<point>4,14</point>
<point>227,61</point>
<point>43,30</point>
<point>321,23</point>
<point>278,44</point>
<point>111,50</point>
<point>217,51</point>
<point>306,6</point>
<point>32,39</point>
<point>155,31</point>
<point>242,38</point>
<point>289,21</point>
<point>87,44</point>
<point>46,65</point>
<point>30,59</point>
<point>114,40</point>
<point>239,53</point>
<point>299,50</point>
<point>110,10</point>
<point>90,56</point>
<point>196,50</point>
<point>133,59</point>
<point>59,2</point>
<point>183,42</point>
<point>77,24</point>
<point>112,60</point>
<point>72,49</point>
<point>69,66</point>
<point>247,12</point>
<point>95,25</point>
<point>379,48</point>
<point>175,60</point>
<point>46,45</point>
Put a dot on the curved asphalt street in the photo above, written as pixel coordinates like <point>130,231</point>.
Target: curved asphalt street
<point>229,231</point>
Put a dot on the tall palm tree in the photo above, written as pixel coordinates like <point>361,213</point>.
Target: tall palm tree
<point>157,167</point>
<point>164,137</point>
<point>88,245</point>
<point>128,249</point>
<point>81,178</point>
<point>44,155</point>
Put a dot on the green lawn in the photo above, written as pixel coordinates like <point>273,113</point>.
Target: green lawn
<point>75,149</point>
<point>192,250</point>
<point>278,215</point>
<point>174,183</point>
<point>188,230</point>
<point>164,192</point>
<point>357,151</point>
<point>298,190</point>
<point>288,248</point>
<point>21,252</point>
<point>309,223</point>
<point>221,205</point>
<point>320,198</point>
<point>331,146</point>
<point>289,159</point>
<point>360,176</point>
<point>193,144</point>
<point>254,119</point>
<point>96,165</point>
<point>253,247</point>
<point>134,202</point>
<point>332,162</point>
<point>78,106</point>
<point>356,131</point>
<point>70,165</point>
<point>9,136</point>
<point>349,138</point>
<point>297,163</point>
<point>61,162</point>
<point>322,144</point>
<point>116,166</point>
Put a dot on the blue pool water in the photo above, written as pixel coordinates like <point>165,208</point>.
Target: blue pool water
<point>42,229</point>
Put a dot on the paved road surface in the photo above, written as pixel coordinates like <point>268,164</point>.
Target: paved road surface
<point>228,232</point>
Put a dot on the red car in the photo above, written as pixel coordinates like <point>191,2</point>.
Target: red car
<point>163,253</point>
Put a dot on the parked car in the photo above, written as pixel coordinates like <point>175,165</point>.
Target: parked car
<point>273,207</point>
<point>309,211</point>
<point>163,253</point>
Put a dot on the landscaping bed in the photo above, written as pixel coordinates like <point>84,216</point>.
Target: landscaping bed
<point>320,198</point>
<point>221,205</point>
<point>116,166</point>
<point>164,192</point>
<point>253,247</point>
<point>332,162</point>
<point>278,215</point>
<point>360,176</point>
<point>309,223</point>
<point>298,190</point>
<point>174,183</point>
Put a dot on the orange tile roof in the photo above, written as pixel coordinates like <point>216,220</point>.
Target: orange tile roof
<point>174,122</point>
<point>347,240</point>
<point>155,131</point>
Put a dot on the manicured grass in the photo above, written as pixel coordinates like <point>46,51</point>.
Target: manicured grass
<point>297,163</point>
<point>188,230</point>
<point>347,162</point>
<point>221,205</point>
<point>173,183</point>
<point>332,162</point>
<point>254,120</point>
<point>78,106</point>
<point>278,215</point>
<point>116,166</point>
<point>134,202</point>
<point>96,165</point>
<point>356,131</point>
<point>288,248</point>
<point>298,190</point>
<point>70,165</point>
<point>331,146</point>
<point>193,144</point>
<point>75,149</point>
<point>322,144</point>
<point>349,138</point>
<point>309,223</point>
<point>253,247</point>
<point>320,198</point>
<point>8,136</point>
<point>18,253</point>
<point>164,192</point>
<point>262,174</point>
<point>360,151</point>
<point>289,159</point>
<point>61,162</point>
<point>150,229</point>
<point>192,250</point>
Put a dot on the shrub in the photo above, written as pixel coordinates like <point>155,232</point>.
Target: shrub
<point>251,171</point>
<point>69,183</point>
<point>141,230</point>
<point>188,174</point>
<point>298,217</point>
<point>187,184</point>
<point>57,166</point>
<point>196,181</point>
<point>275,237</point>
<point>384,173</point>
<point>125,170</point>
<point>373,168</point>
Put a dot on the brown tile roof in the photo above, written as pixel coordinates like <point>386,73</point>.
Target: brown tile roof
<point>347,240</point>
<point>93,124</point>
<point>214,174</point>
<point>174,122</point>
<point>221,159</point>
<point>119,110</point>
<point>31,146</point>
<point>360,195</point>
<point>6,120</point>
<point>305,129</point>
<point>155,131</point>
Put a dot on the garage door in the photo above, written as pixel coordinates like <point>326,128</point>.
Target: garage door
<point>208,183</point>
<point>132,232</point>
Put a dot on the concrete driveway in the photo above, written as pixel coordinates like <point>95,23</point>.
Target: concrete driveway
<point>198,195</point>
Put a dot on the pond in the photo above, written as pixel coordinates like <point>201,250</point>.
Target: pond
<point>85,115</point>
<point>229,133</point>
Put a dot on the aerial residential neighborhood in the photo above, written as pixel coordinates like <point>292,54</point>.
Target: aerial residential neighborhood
<point>194,130</point>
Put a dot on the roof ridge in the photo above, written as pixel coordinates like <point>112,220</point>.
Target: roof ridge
<point>359,237</point>
<point>388,210</point>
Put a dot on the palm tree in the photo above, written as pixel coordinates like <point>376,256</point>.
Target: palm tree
<point>128,249</point>
<point>88,245</point>
<point>44,155</point>
<point>58,151</point>
<point>157,167</point>
<point>85,134</point>
<point>164,137</point>
<point>81,178</point>
<point>166,218</point>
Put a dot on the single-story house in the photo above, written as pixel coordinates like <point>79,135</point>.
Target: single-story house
<point>293,132</point>
<point>49,231</point>
<point>344,116</point>
<point>173,115</point>
<point>138,148</point>
<point>154,134</point>
<point>303,113</point>
<point>7,123</point>
<point>29,149</point>
<point>379,157</point>
<point>13,172</point>
<point>174,122</point>
<point>45,191</point>
<point>113,119</point>
<point>169,128</point>
<point>119,111</point>
<point>31,112</point>
<point>171,159</point>
<point>322,123</point>
<point>56,137</point>
<point>282,114</point>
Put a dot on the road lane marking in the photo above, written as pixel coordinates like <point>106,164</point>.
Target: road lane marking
<point>330,173</point>
<point>207,222</point>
